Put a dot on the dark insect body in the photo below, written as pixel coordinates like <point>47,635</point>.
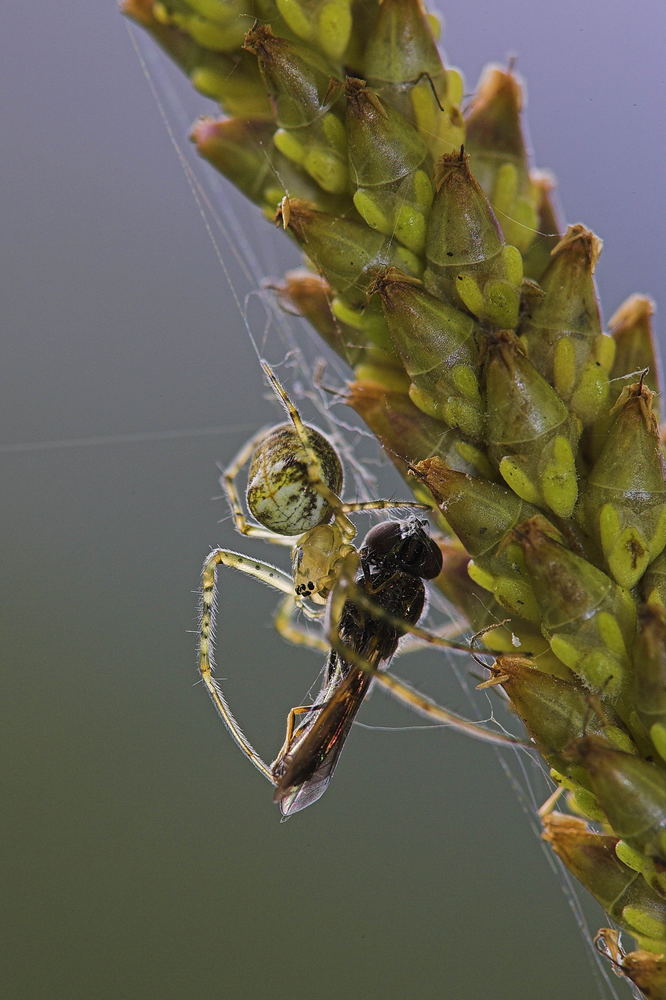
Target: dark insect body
<point>395,558</point>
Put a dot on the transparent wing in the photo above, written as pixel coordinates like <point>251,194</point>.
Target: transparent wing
<point>305,771</point>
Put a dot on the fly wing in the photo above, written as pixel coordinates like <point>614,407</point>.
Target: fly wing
<point>302,774</point>
<point>307,769</point>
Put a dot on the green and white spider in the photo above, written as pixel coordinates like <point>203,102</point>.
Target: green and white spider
<point>294,481</point>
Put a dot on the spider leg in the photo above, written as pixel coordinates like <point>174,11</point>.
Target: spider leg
<point>314,471</point>
<point>291,726</point>
<point>430,709</point>
<point>412,643</point>
<point>228,484</point>
<point>347,589</point>
<point>266,574</point>
<point>286,625</point>
<point>350,508</point>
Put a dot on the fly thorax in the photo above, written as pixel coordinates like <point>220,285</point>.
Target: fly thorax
<point>314,561</point>
<point>280,492</point>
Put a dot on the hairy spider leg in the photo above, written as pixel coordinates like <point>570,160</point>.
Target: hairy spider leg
<point>347,589</point>
<point>228,484</point>
<point>315,539</point>
<point>287,626</point>
<point>342,588</point>
<point>270,575</point>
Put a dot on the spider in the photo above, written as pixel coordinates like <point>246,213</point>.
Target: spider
<point>294,480</point>
<point>371,596</point>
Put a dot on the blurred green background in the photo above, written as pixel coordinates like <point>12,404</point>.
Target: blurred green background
<point>142,855</point>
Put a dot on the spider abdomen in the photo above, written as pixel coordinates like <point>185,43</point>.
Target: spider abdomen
<point>280,494</point>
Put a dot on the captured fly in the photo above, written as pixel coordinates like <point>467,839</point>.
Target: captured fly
<point>394,560</point>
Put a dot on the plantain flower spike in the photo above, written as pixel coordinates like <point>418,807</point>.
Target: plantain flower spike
<point>437,268</point>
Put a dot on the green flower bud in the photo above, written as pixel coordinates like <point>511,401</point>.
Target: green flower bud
<point>217,26</point>
<point>591,858</point>
<point>302,91</point>
<point>483,516</point>
<point>231,79</point>
<point>407,434</point>
<point>561,330</point>
<point>631,791</point>
<point>243,151</point>
<point>537,257</point>
<point>234,82</point>
<point>402,63</point>
<point>650,673</point>
<point>635,357</point>
<point>531,435</point>
<point>389,166</point>
<point>469,262</point>
<point>624,502</point>
<point>588,619</point>
<point>324,23</point>
<point>555,711</point>
<point>349,255</point>
<point>653,584</point>
<point>498,155</point>
<point>636,350</point>
<point>309,295</point>
<point>238,148</point>
<point>438,348</point>
<point>484,613</point>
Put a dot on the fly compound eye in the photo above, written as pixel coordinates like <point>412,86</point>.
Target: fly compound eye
<point>420,556</point>
<point>381,539</point>
<point>432,561</point>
